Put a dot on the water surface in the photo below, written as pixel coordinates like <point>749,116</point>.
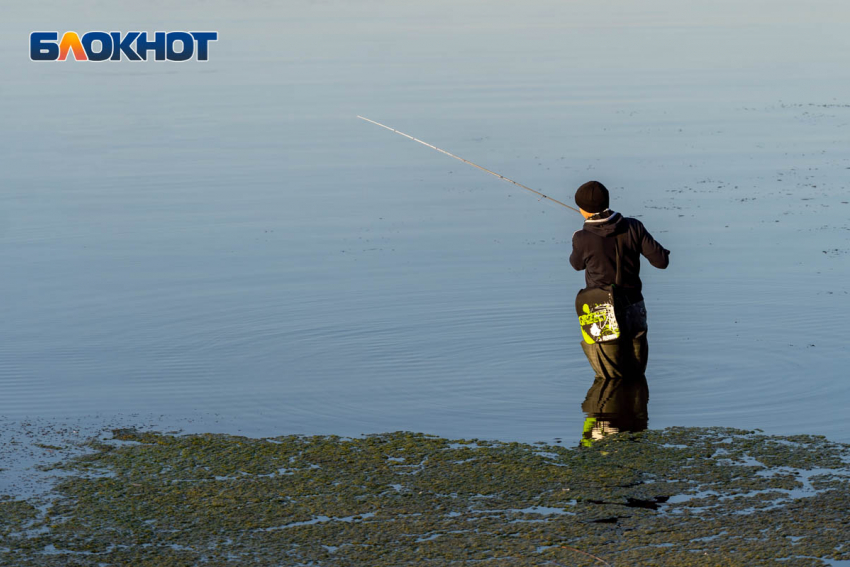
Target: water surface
<point>226,243</point>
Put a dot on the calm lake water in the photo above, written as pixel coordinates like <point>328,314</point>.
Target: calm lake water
<point>224,246</point>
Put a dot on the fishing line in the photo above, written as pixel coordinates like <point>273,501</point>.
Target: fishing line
<point>470,163</point>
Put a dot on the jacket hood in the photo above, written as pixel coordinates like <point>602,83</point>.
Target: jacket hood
<point>612,224</point>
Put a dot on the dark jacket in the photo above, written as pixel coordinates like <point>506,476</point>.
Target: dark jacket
<point>594,252</point>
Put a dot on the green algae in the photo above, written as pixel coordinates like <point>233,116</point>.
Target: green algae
<point>674,497</point>
<point>14,516</point>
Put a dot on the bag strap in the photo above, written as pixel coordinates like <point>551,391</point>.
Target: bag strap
<point>618,279</point>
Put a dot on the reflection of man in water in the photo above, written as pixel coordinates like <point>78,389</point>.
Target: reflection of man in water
<point>613,405</point>
<point>595,251</point>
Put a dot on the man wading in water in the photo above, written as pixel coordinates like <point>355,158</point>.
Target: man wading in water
<point>608,240</point>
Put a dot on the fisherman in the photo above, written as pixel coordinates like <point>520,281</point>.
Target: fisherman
<point>609,240</point>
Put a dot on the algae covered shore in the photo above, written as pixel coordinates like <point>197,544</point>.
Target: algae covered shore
<point>680,496</point>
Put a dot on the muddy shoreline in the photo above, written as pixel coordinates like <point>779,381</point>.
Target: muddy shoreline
<point>679,496</point>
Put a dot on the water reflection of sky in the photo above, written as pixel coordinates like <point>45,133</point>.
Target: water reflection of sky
<point>227,242</point>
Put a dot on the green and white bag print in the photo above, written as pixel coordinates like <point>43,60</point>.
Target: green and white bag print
<point>597,316</point>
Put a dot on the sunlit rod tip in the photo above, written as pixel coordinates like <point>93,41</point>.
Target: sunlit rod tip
<point>520,185</point>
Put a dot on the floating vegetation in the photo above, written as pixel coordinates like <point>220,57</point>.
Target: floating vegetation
<point>674,497</point>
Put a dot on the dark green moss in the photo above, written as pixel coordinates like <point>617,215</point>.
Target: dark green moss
<point>49,447</point>
<point>673,497</point>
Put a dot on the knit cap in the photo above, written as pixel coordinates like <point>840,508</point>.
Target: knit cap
<point>592,197</point>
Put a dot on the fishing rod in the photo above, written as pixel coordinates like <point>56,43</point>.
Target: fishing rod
<point>470,163</point>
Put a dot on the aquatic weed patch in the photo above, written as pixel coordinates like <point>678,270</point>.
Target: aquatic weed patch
<point>673,497</point>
